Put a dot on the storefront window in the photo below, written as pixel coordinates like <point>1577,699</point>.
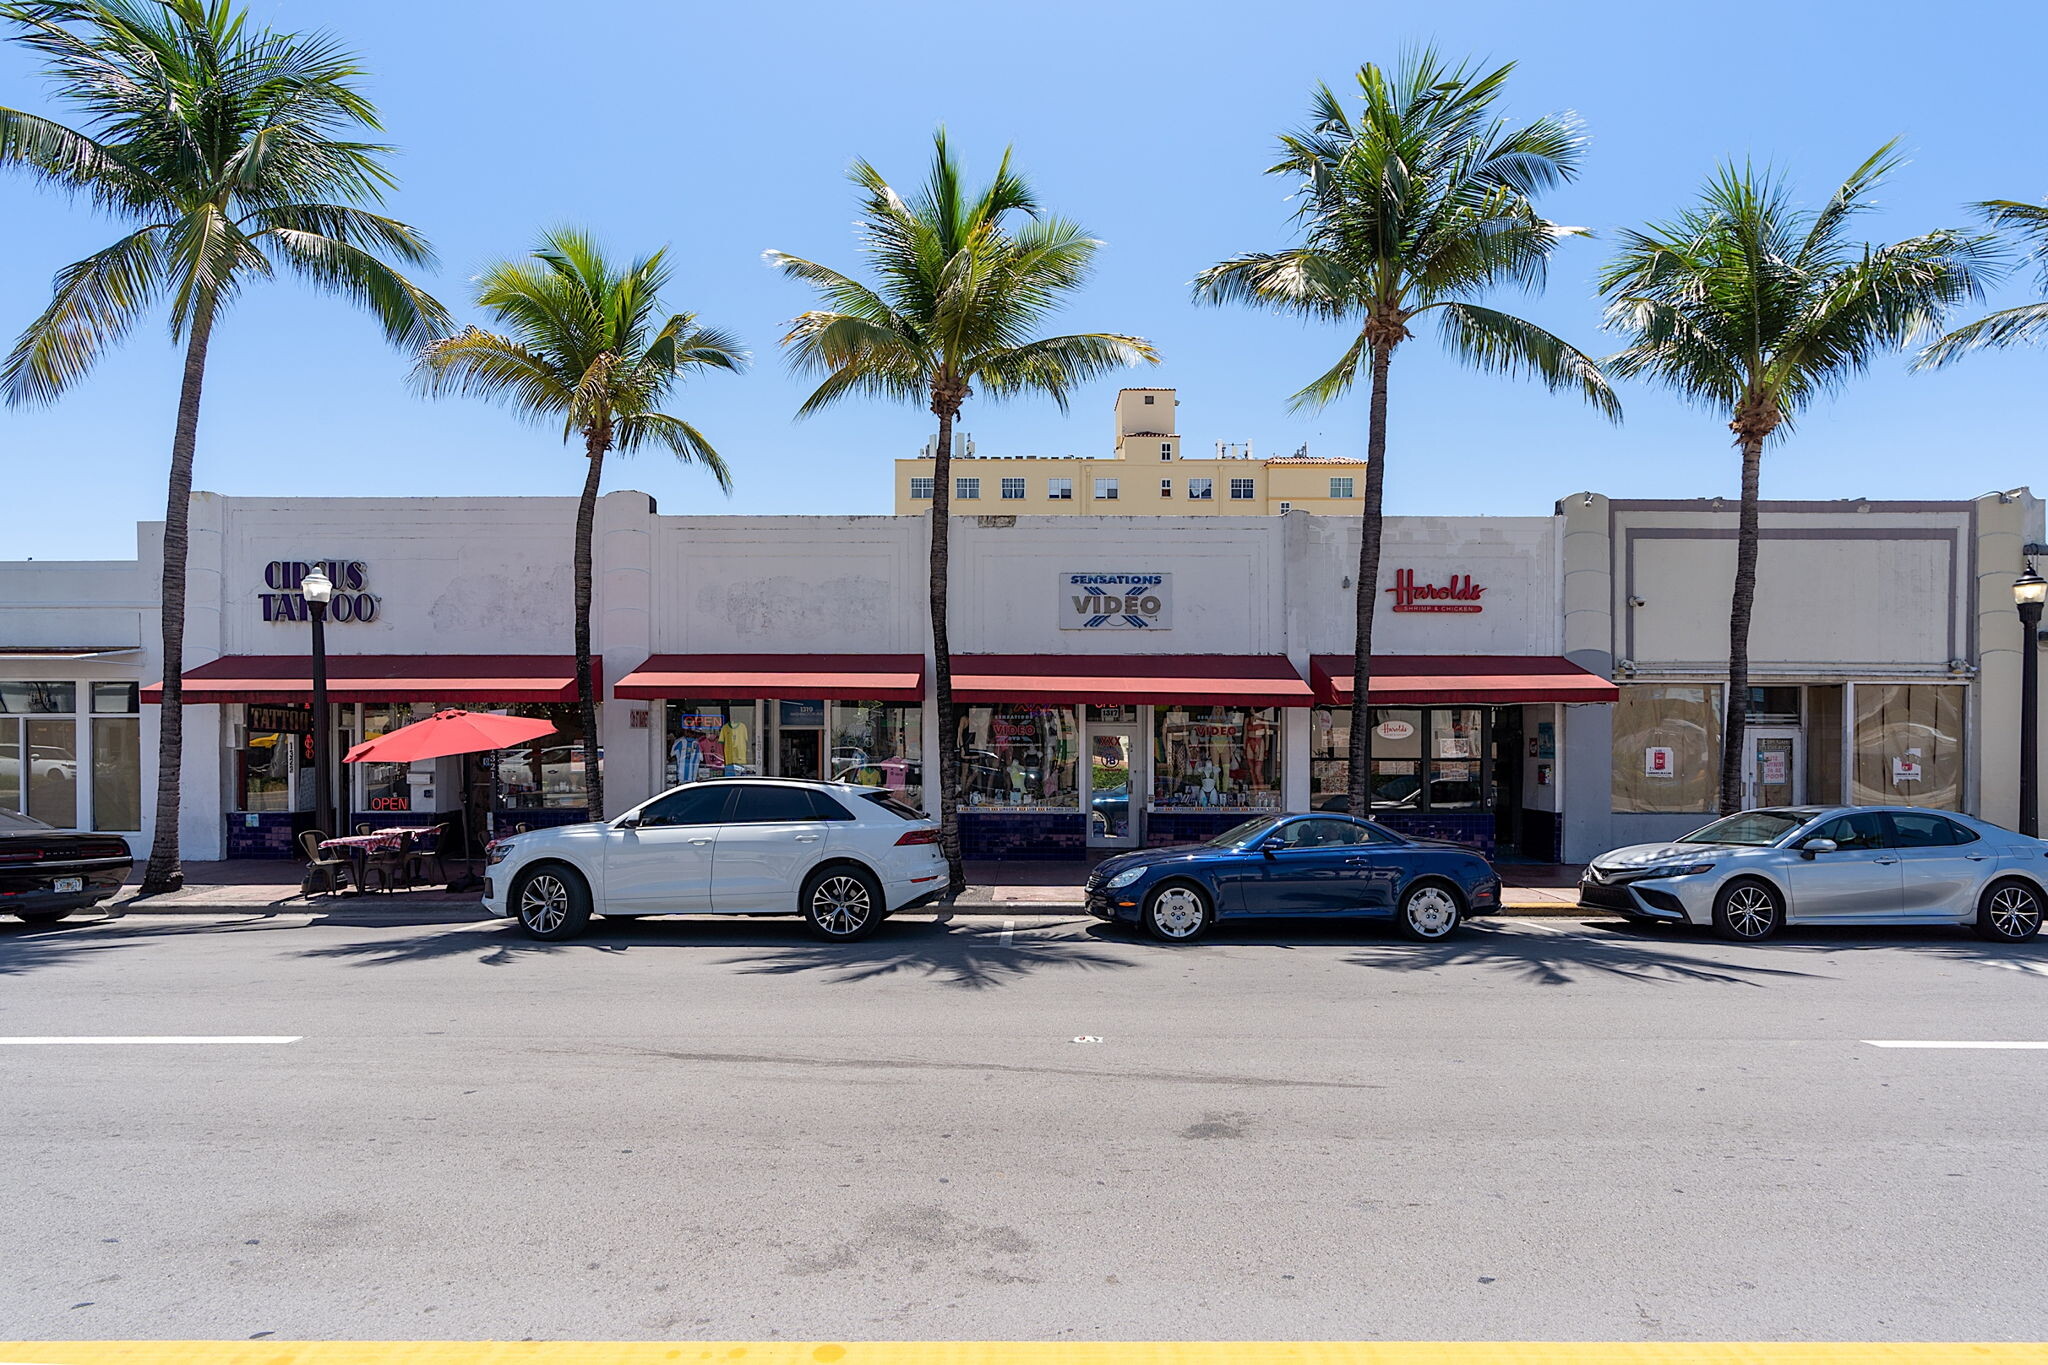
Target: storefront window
<point>39,755</point>
<point>116,757</point>
<point>263,771</point>
<point>276,741</point>
<point>548,773</point>
<point>1422,758</point>
<point>1667,748</point>
<point>709,739</point>
<point>878,744</point>
<point>1909,745</point>
<point>1216,757</point>
<point>385,785</point>
<point>1020,757</point>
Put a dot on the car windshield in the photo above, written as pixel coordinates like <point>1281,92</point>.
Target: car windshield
<point>14,822</point>
<point>1750,828</point>
<point>1240,834</point>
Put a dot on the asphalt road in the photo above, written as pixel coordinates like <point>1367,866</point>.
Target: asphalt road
<point>718,1129</point>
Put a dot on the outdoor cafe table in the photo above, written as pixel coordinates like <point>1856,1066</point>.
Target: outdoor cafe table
<point>359,847</point>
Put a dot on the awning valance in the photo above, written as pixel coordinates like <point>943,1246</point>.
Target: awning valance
<point>828,677</point>
<point>385,677</point>
<point>1460,679</point>
<point>1174,679</point>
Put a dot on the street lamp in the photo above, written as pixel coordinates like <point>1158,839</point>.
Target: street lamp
<point>2029,591</point>
<point>318,590</point>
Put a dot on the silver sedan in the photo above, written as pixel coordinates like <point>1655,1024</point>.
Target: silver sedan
<point>1748,875</point>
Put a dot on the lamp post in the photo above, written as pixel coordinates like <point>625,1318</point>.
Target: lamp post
<point>2029,591</point>
<point>318,590</point>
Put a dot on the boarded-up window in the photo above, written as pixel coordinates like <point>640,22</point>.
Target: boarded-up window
<point>1667,747</point>
<point>1909,745</point>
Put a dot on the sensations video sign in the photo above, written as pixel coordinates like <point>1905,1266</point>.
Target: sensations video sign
<point>1116,601</point>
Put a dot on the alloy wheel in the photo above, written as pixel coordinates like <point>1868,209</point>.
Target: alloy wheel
<point>1432,912</point>
<point>1751,912</point>
<point>544,903</point>
<point>1178,912</point>
<point>840,905</point>
<point>2015,912</point>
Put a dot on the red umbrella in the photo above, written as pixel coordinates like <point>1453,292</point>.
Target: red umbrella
<point>449,732</point>
<point>444,734</point>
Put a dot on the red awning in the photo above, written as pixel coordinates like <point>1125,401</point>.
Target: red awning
<point>829,677</point>
<point>1460,679</point>
<point>1182,679</point>
<point>385,677</point>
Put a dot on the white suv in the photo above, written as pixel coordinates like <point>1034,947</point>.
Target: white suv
<point>843,857</point>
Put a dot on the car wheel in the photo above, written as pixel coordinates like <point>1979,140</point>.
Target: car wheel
<point>842,903</point>
<point>42,916</point>
<point>1748,912</point>
<point>551,903</point>
<point>2009,912</point>
<point>1178,912</point>
<point>1429,913</point>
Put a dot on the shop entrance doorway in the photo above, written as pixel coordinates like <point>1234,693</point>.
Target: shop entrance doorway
<point>1771,766</point>
<point>1112,798</point>
<point>800,740</point>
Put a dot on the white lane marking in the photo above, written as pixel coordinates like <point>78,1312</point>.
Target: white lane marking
<point>1915,1042</point>
<point>197,1039</point>
<point>1009,932</point>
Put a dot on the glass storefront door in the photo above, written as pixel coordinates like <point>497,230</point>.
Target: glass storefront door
<point>1771,766</point>
<point>1112,749</point>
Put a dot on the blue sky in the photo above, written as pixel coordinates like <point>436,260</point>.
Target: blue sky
<point>723,130</point>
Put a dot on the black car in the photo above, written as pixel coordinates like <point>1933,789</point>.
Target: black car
<point>46,873</point>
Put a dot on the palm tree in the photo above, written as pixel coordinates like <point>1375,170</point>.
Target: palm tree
<point>1418,204</point>
<point>226,150</point>
<point>2008,326</point>
<point>584,344</point>
<point>961,287</point>
<point>1750,306</point>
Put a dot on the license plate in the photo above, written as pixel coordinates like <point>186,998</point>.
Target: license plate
<point>68,884</point>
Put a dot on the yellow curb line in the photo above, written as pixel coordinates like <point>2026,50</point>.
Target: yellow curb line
<point>1013,1353</point>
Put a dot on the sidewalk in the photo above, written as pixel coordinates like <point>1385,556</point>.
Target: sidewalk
<point>992,889</point>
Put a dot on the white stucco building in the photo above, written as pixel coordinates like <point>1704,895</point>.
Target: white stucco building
<point>1547,683</point>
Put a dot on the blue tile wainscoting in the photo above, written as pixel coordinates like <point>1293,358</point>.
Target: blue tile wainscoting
<point>267,834</point>
<point>507,822</point>
<point>1025,835</point>
<point>1473,829</point>
<point>1164,828</point>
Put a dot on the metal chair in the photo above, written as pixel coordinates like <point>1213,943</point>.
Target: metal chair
<point>424,847</point>
<point>335,872</point>
<point>388,864</point>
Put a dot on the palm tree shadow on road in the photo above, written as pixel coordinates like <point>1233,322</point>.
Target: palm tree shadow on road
<point>1554,958</point>
<point>968,955</point>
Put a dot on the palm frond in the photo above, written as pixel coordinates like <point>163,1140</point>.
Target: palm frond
<point>681,439</point>
<point>1503,344</point>
<point>94,304</point>
<point>2024,325</point>
<point>409,315</point>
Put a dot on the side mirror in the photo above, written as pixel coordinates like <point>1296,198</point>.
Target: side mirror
<point>1817,845</point>
<point>1272,843</point>
<point>628,822</point>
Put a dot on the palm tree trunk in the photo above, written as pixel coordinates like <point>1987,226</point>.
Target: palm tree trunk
<point>1733,735</point>
<point>164,872</point>
<point>596,440</point>
<point>1368,583</point>
<point>945,407</point>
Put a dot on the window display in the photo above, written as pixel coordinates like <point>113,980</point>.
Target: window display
<point>1216,758</point>
<point>116,757</point>
<point>879,744</point>
<point>1021,758</point>
<point>709,739</point>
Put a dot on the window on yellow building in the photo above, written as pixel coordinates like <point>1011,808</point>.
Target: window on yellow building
<point>1060,490</point>
<point>1201,489</point>
<point>1340,488</point>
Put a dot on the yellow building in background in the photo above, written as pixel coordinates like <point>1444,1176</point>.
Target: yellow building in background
<point>1148,472</point>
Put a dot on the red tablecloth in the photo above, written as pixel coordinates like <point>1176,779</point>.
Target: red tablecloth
<point>375,840</point>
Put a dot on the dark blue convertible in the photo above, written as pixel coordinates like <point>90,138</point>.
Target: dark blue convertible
<point>1318,864</point>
